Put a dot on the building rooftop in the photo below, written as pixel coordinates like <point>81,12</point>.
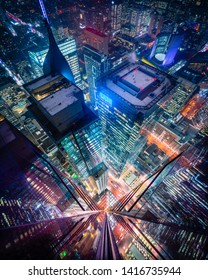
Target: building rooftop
<point>98,170</point>
<point>40,82</point>
<point>88,118</point>
<point>59,100</point>
<point>96,32</point>
<point>139,85</point>
<point>46,86</point>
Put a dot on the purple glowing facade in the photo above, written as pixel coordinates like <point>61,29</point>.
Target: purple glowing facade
<point>153,49</point>
<point>174,45</point>
<point>165,48</point>
<point>43,10</point>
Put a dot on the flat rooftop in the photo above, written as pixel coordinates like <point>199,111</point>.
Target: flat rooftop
<point>138,78</point>
<point>40,82</point>
<point>88,118</point>
<point>47,85</point>
<point>59,100</point>
<point>139,85</point>
<point>96,32</point>
<point>53,93</point>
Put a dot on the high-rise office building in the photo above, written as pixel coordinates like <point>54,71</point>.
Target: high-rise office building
<point>129,179</point>
<point>13,106</point>
<point>140,18</point>
<point>83,145</point>
<point>116,15</point>
<point>125,13</point>
<point>155,24</point>
<point>55,62</point>
<point>179,192</point>
<point>96,39</point>
<point>68,49</point>
<point>59,106</point>
<point>123,100</point>
<point>100,176</point>
<point>174,102</point>
<point>96,64</point>
<point>91,16</point>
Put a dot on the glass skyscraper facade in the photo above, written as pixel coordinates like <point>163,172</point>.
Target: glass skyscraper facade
<point>68,49</point>
<point>96,64</point>
<point>122,108</point>
<point>120,127</point>
<point>83,147</point>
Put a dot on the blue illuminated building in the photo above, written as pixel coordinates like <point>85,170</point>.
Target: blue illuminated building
<point>96,64</point>
<point>55,62</point>
<point>105,98</point>
<point>124,98</point>
<point>160,46</point>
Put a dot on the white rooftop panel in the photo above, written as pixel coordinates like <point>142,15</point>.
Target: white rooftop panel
<point>139,79</point>
<point>59,100</point>
<point>41,82</point>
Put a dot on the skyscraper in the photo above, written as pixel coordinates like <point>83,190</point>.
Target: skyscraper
<point>59,106</point>
<point>67,48</point>
<point>127,179</point>
<point>100,176</point>
<point>140,18</point>
<point>82,147</point>
<point>179,193</point>
<point>116,15</point>
<point>54,62</point>
<point>96,39</point>
<point>123,101</point>
<point>96,64</point>
<point>155,24</point>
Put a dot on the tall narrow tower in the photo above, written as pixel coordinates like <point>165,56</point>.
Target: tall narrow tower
<point>55,62</point>
<point>43,11</point>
